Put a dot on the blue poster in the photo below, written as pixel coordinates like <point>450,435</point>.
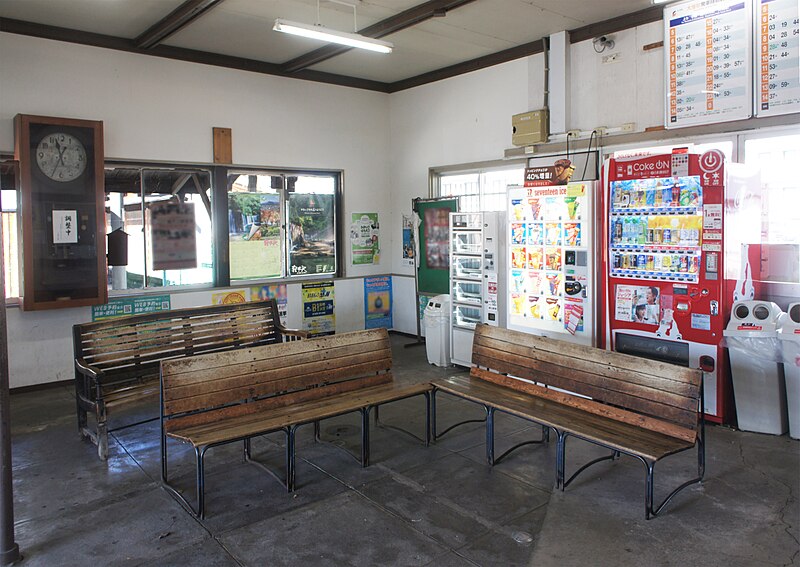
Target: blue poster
<point>378,302</point>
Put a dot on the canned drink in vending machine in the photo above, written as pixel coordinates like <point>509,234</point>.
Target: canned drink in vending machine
<point>684,264</point>
<point>657,262</point>
<point>651,235</point>
<point>641,261</point>
<point>694,264</point>
<point>657,235</point>
<point>650,261</point>
<point>667,236</point>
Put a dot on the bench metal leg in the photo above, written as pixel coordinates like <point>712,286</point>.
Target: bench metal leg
<point>426,438</point>
<point>436,435</point>
<point>365,437</point>
<point>545,438</point>
<point>317,432</point>
<point>563,462</point>
<point>200,480</point>
<point>432,417</point>
<point>427,419</point>
<point>489,434</point>
<point>290,464</point>
<point>247,450</point>
<point>651,511</point>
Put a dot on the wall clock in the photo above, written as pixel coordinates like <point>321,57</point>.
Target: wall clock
<point>62,199</point>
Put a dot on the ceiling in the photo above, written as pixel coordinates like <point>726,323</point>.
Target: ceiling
<point>432,39</point>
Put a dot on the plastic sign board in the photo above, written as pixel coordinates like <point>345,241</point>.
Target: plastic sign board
<point>708,67</point>
<point>777,53</point>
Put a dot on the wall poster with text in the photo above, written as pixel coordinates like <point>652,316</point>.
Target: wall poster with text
<point>364,239</point>
<point>274,291</point>
<point>318,315</point>
<point>378,302</point>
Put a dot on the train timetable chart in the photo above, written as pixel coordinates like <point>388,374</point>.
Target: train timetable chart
<point>777,49</point>
<point>708,65</point>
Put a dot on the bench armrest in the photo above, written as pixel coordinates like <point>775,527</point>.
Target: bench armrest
<point>87,369</point>
<point>297,333</point>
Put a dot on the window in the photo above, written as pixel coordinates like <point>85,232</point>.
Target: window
<point>281,224</point>
<point>481,190</point>
<point>165,219</point>
<point>780,200</point>
<point>8,202</point>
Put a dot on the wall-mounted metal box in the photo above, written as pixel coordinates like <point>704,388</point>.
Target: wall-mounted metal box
<point>529,128</point>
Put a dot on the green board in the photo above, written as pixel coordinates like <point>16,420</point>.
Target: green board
<point>433,273</point>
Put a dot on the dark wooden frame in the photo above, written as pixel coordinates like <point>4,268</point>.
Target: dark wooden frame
<point>93,186</point>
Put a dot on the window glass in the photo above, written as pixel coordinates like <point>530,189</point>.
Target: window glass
<point>254,225</point>
<point>8,201</point>
<point>312,226</point>
<point>780,200</point>
<point>480,190</point>
<point>165,221</point>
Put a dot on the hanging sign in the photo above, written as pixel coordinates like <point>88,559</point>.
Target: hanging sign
<point>777,52</point>
<point>708,62</point>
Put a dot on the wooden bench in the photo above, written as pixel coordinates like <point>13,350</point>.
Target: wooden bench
<point>642,408</point>
<point>222,398</point>
<point>117,360</point>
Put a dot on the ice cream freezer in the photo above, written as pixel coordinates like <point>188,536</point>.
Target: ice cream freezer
<point>476,275</point>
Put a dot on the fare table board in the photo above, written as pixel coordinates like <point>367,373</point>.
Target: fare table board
<point>777,49</point>
<point>708,62</point>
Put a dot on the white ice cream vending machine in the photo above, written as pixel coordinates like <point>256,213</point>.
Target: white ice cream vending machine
<point>477,278</point>
<point>551,253</point>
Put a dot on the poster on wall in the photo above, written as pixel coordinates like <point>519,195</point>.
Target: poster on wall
<point>408,241</point>
<point>708,62</point>
<point>378,302</point>
<point>311,230</point>
<point>318,303</point>
<point>274,291</point>
<point>229,297</point>
<point>173,241</point>
<point>130,306</point>
<point>364,239</point>
<point>777,51</point>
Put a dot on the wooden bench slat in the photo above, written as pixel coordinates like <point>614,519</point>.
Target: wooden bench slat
<point>578,352</point>
<point>606,430</point>
<point>258,381</point>
<point>259,363</point>
<point>302,412</point>
<point>376,341</point>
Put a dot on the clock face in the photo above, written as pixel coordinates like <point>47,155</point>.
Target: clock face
<point>61,156</point>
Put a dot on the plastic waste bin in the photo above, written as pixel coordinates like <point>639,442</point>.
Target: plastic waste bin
<point>755,355</point>
<point>437,330</point>
<point>789,335</point>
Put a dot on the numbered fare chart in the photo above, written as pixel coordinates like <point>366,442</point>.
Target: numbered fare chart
<point>708,62</point>
<point>777,48</point>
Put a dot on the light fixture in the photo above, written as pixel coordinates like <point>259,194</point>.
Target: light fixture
<point>333,36</point>
<point>318,31</point>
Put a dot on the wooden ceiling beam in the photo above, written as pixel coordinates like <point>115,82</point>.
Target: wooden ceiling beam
<point>176,20</point>
<point>401,21</point>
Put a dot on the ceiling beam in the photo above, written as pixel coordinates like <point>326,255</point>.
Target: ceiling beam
<point>401,21</point>
<point>176,20</point>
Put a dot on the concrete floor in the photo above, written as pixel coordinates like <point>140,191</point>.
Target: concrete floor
<point>441,505</point>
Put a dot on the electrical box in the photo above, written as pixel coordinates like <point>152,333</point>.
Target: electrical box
<point>529,128</point>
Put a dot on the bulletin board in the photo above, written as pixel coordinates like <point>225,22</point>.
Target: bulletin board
<point>433,260</point>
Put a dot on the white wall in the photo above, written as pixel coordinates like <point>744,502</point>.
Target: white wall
<point>159,109</point>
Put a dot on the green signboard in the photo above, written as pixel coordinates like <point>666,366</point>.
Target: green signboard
<point>130,306</point>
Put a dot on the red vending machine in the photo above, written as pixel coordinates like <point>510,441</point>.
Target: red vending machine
<point>682,233</point>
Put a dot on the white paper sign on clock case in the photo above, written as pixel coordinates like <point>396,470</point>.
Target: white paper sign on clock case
<point>776,38</point>
<point>708,66</point>
<point>65,227</point>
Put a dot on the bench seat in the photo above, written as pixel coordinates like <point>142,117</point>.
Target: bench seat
<point>646,409</point>
<point>624,437</point>
<point>226,397</point>
<point>299,413</point>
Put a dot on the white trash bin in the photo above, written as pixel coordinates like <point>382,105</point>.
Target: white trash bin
<point>758,385</point>
<point>437,330</point>
<point>789,335</point>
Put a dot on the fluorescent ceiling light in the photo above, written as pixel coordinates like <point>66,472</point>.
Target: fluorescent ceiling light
<point>332,36</point>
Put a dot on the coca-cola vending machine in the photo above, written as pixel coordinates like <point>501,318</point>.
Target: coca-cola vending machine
<point>682,235</point>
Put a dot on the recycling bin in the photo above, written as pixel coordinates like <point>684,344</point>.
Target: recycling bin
<point>437,330</point>
<point>789,335</point>
<point>755,355</point>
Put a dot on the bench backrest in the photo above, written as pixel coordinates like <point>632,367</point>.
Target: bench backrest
<point>203,389</point>
<point>134,346</point>
<point>652,394</point>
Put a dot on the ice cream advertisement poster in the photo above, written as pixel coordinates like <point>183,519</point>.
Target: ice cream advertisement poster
<point>378,302</point>
<point>573,316</point>
<point>318,308</point>
<point>274,291</point>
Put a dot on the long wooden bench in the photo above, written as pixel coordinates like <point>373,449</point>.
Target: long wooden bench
<point>117,360</point>
<point>216,399</point>
<point>642,408</point>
